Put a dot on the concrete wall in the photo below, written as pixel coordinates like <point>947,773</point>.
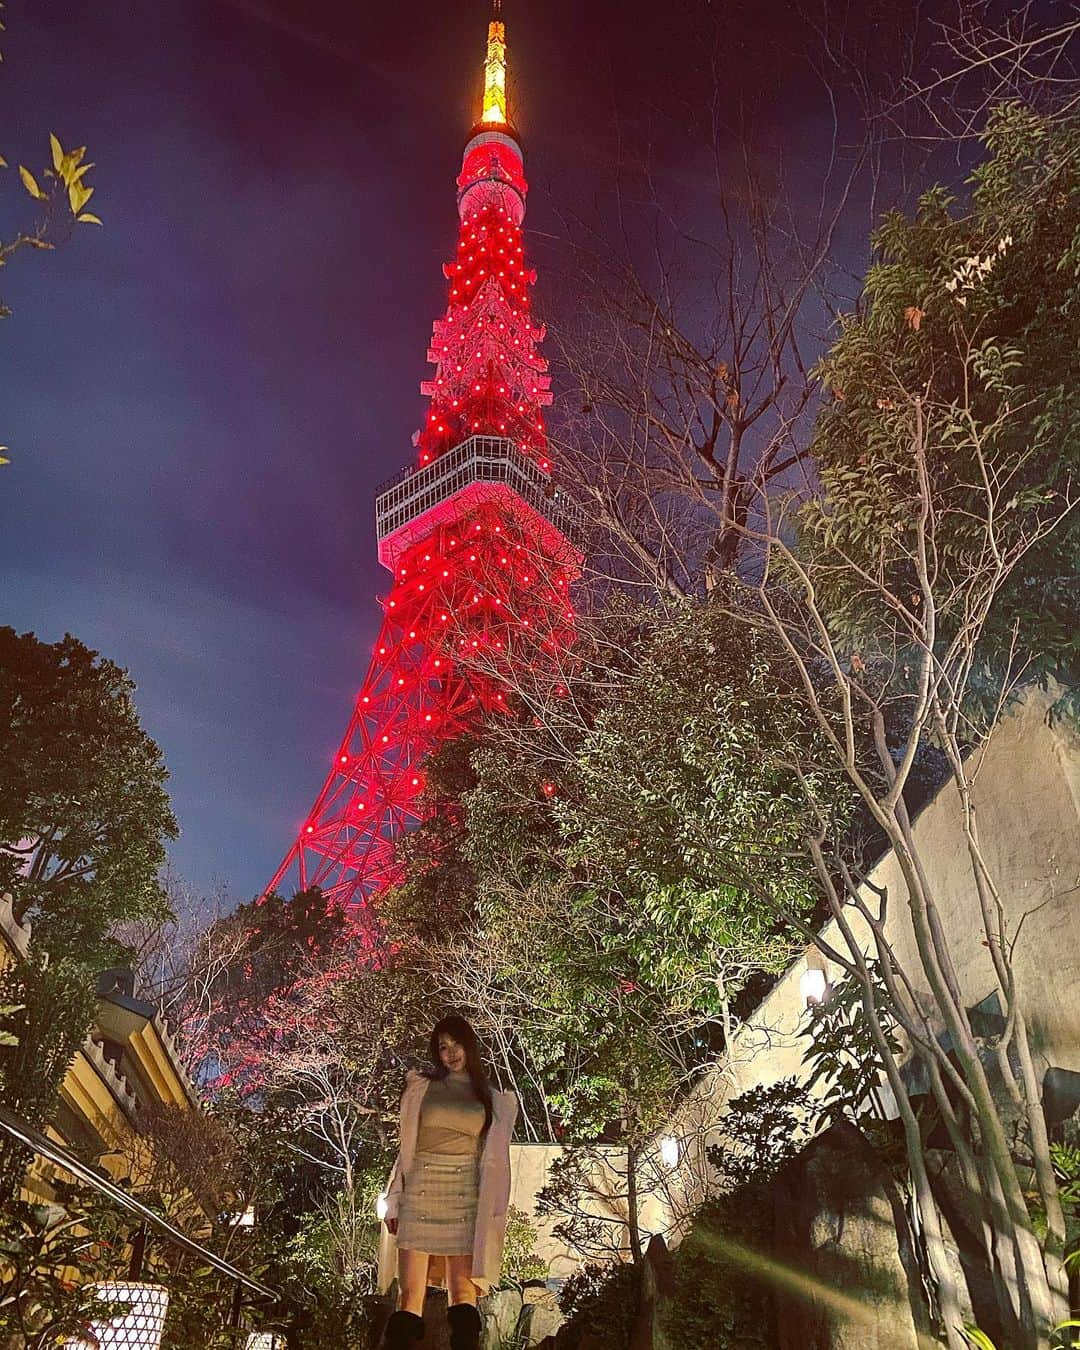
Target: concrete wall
<point>529,1164</point>
<point>528,1175</point>
<point>1027,795</point>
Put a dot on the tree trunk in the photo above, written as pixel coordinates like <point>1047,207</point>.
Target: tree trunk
<point>632,1152</point>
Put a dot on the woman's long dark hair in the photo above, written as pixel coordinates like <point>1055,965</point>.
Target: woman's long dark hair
<point>459,1030</point>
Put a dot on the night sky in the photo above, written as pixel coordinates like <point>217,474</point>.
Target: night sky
<point>201,397</point>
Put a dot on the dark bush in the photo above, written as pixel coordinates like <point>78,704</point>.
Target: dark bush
<point>600,1305</point>
<point>720,1299</point>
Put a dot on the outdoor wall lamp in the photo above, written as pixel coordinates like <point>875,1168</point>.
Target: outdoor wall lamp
<point>669,1151</point>
<point>813,986</point>
<point>381,1208</point>
<point>140,1327</point>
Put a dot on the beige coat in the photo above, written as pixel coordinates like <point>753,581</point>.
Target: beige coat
<point>493,1192</point>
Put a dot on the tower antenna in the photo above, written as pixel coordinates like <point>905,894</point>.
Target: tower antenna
<point>493,111</point>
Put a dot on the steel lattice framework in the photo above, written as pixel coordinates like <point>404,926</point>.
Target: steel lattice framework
<point>475,534</point>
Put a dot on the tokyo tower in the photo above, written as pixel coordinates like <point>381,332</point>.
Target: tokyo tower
<point>474,533</point>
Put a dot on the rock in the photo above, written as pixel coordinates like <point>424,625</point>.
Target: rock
<point>538,1322</point>
<point>834,1225</point>
<point>501,1310</point>
<point>540,1294</point>
<point>436,1328</point>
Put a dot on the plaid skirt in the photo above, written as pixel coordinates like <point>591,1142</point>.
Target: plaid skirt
<point>438,1206</point>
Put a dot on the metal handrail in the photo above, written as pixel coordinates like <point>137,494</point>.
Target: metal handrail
<point>396,478</point>
<point>508,450</point>
<point>41,1144</point>
<point>483,459</point>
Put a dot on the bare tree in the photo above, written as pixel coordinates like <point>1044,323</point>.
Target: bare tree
<point>684,437</point>
<point>180,964</point>
<point>852,696</point>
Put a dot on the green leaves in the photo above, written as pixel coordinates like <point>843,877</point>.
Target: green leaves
<point>8,1037</point>
<point>977,1339</point>
<point>966,348</point>
<point>84,813</point>
<point>51,1258</point>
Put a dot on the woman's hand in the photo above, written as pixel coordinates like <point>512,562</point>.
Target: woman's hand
<point>391,1226</point>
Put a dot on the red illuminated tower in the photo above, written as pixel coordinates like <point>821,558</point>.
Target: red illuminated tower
<point>474,534</point>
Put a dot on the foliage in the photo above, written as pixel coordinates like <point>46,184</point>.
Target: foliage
<point>49,1257</point>
<point>604,917</point>
<point>655,838</point>
<point>663,795</point>
<point>323,1264</point>
<point>272,947</point>
<point>83,821</point>
<point>841,1053</point>
<point>521,1262</point>
<point>969,335</point>
<point>52,1008</point>
<point>336,1248</point>
<point>437,894</point>
<point>979,1340</point>
<point>1066,1159</point>
<point>60,194</point>
<point>765,1128</point>
<point>188,1159</point>
<point>720,1297</point>
<point>84,813</point>
<point>1065,1156</point>
<point>599,1302</point>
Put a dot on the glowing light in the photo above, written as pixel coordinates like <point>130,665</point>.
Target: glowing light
<point>139,1327</point>
<point>669,1151</point>
<point>495,75</point>
<point>813,986</point>
<point>488,367</point>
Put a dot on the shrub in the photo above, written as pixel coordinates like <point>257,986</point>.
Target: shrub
<point>717,1300</point>
<point>520,1259</point>
<point>600,1303</point>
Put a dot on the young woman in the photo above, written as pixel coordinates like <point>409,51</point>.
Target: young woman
<point>447,1197</point>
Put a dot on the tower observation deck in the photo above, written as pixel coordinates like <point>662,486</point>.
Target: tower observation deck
<point>475,534</point>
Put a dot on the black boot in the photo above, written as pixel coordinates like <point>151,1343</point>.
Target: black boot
<point>465,1327</point>
<point>403,1331</point>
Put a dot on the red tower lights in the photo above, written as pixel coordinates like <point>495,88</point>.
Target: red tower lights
<point>475,536</point>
